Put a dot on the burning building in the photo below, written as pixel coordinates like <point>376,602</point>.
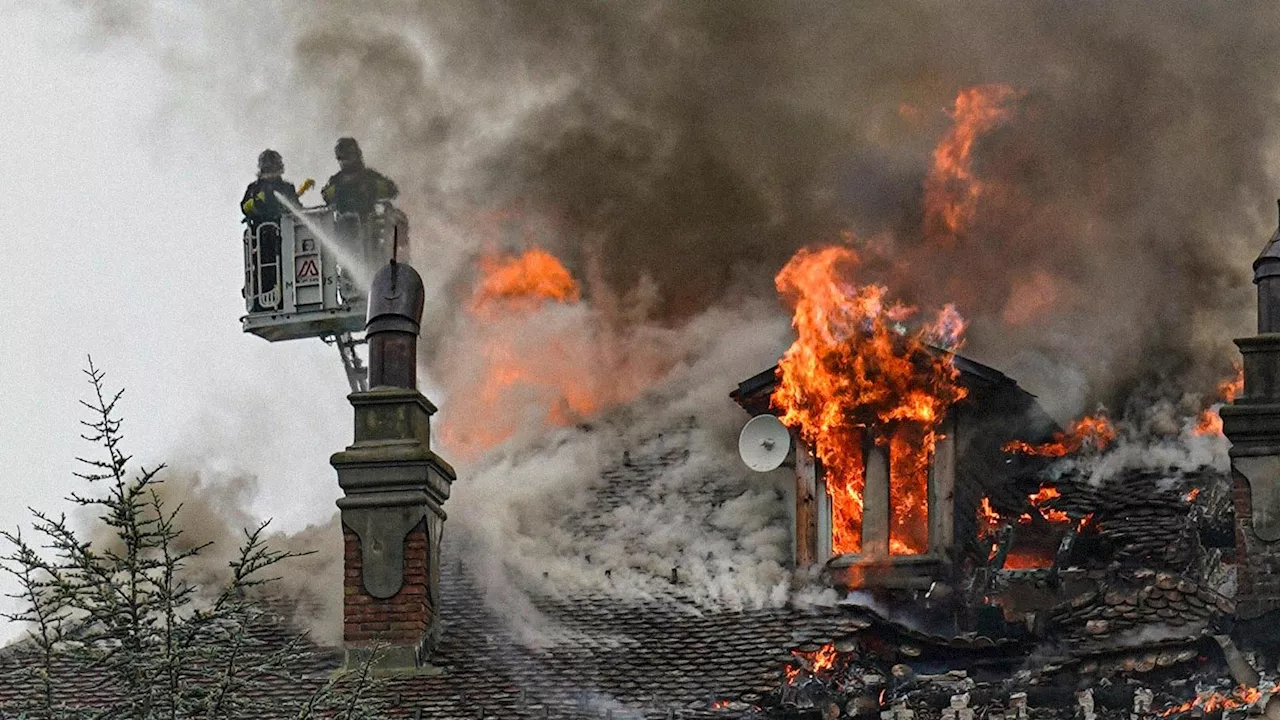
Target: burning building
<point>863,534</point>
<point>1014,585</point>
<point>952,551</point>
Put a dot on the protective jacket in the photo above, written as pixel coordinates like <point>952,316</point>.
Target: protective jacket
<point>260,203</point>
<point>357,190</point>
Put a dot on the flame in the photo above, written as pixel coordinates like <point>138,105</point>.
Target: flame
<point>521,283</point>
<point>855,373</point>
<point>1084,522</point>
<point>817,661</point>
<point>510,290</point>
<point>1191,495</point>
<point>1214,701</point>
<point>908,492</point>
<point>1210,422</point>
<point>1043,496</point>
<point>951,190</point>
<point>1093,431</point>
<point>988,519</point>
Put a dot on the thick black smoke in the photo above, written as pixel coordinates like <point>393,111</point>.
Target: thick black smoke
<point>700,144</point>
<point>677,154</point>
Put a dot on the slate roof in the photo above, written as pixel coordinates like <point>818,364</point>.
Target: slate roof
<point>659,658</point>
<point>669,656</point>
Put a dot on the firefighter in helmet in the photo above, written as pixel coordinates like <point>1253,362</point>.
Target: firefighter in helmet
<point>260,203</point>
<point>262,209</point>
<point>356,188</point>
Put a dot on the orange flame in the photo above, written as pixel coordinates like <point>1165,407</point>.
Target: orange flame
<point>1039,500</point>
<point>1210,422</point>
<point>854,372</point>
<point>951,190</point>
<point>1094,431</point>
<point>817,661</point>
<point>523,282</point>
<point>511,289</point>
<point>988,519</point>
<point>908,492</point>
<point>1214,701</point>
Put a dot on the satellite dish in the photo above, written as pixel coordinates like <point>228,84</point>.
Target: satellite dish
<point>764,443</point>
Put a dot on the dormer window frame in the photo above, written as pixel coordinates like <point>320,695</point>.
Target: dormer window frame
<point>814,508</point>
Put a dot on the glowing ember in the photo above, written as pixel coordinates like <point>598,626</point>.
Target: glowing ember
<point>1089,431</point>
<point>854,372</point>
<point>951,190</point>
<point>1214,701</point>
<point>1191,495</point>
<point>1210,423</point>
<point>1028,559</point>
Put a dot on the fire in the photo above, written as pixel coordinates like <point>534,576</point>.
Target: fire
<point>908,493</point>
<point>1029,559</point>
<point>855,373</point>
<point>951,190</point>
<point>988,519</point>
<point>1039,499</point>
<point>1089,431</point>
<point>515,283</point>
<point>1214,701</point>
<point>1210,423</point>
<point>511,367</point>
<point>816,662</point>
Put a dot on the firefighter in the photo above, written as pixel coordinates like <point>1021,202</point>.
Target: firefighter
<point>260,203</point>
<point>262,210</point>
<point>356,188</point>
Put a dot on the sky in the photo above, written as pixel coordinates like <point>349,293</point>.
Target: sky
<point>121,241</point>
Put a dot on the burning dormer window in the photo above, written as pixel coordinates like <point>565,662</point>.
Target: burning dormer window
<point>886,507</point>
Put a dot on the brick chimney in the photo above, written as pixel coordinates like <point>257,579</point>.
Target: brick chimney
<point>1252,424</point>
<point>393,489</point>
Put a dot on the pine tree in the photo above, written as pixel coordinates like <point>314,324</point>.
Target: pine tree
<point>123,610</point>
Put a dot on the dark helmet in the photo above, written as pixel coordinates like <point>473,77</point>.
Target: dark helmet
<point>270,163</point>
<point>348,149</point>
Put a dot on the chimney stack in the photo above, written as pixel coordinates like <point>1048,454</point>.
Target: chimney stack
<point>1252,424</point>
<point>394,487</point>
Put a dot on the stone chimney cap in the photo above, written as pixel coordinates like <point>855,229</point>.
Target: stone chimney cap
<point>395,299</point>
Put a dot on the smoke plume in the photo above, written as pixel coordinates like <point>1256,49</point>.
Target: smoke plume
<point>675,155</point>
<point>699,146</point>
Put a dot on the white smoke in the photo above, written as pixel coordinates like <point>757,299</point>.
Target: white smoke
<point>1162,435</point>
